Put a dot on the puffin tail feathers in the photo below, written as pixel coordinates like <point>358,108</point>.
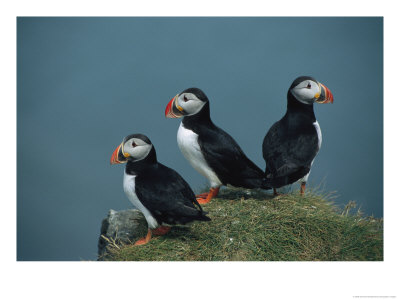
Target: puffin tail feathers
<point>279,181</point>
<point>266,184</point>
<point>197,214</point>
<point>202,216</point>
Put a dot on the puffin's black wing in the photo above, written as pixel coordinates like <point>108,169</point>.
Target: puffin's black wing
<point>227,159</point>
<point>289,153</point>
<point>168,196</point>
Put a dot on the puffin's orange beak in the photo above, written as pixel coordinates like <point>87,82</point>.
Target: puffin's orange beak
<point>173,110</point>
<point>116,154</point>
<point>326,95</point>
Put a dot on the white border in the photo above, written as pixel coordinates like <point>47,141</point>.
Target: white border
<point>280,280</point>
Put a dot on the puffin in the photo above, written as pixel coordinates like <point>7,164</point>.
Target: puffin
<point>291,144</point>
<point>209,149</point>
<point>160,193</point>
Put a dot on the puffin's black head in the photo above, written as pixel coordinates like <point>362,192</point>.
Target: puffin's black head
<point>187,103</point>
<point>307,90</point>
<point>134,147</point>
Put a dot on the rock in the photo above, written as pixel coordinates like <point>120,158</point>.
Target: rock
<point>120,227</point>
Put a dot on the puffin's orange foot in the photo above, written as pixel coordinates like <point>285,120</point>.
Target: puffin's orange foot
<point>203,201</point>
<point>302,188</point>
<point>211,194</point>
<point>276,194</point>
<point>203,195</point>
<point>161,230</point>
<point>144,240</point>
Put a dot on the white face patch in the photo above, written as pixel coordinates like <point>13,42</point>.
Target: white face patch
<point>306,91</point>
<point>190,103</point>
<point>136,148</point>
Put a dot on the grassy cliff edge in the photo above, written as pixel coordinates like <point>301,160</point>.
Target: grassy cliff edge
<point>254,226</point>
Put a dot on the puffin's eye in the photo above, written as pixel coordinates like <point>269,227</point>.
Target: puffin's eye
<point>134,144</point>
<point>309,85</point>
<point>185,98</point>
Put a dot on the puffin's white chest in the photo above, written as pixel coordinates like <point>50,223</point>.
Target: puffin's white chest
<point>318,129</point>
<point>190,148</point>
<point>129,189</point>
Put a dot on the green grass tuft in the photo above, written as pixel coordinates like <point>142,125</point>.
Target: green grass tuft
<point>254,226</point>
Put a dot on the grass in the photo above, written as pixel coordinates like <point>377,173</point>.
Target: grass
<point>254,226</point>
